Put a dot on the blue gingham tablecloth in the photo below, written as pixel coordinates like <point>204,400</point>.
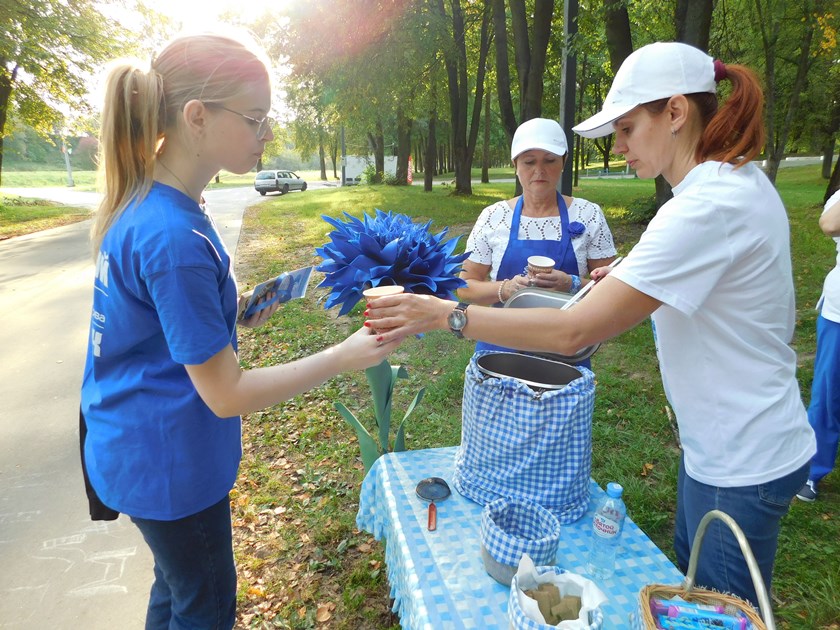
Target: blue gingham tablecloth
<point>438,581</point>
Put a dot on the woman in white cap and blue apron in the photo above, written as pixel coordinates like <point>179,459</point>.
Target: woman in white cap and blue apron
<point>713,270</point>
<point>514,444</point>
<point>573,232</point>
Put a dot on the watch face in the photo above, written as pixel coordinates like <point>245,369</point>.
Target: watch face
<point>457,319</point>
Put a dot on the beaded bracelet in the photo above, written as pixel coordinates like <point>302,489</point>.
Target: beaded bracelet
<point>501,287</point>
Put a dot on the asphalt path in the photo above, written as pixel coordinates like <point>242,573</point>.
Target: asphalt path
<point>60,570</point>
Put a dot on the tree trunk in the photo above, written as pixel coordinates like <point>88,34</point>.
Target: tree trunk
<point>617,30</point>
<point>377,145</point>
<point>543,11</point>
<point>464,133</point>
<point>802,66</point>
<point>833,183</point>
<point>694,22</point>
<point>485,155</point>
<point>403,147</point>
<point>431,153</point>
<point>503,70</point>
<point>831,130</point>
<point>334,154</point>
<point>322,159</point>
<point>6,86</point>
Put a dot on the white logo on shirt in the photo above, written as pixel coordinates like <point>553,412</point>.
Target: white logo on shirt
<point>102,268</point>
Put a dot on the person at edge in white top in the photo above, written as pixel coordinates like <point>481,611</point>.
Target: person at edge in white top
<point>824,408</point>
<point>713,270</point>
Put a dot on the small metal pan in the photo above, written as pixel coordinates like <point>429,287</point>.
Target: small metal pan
<point>433,489</point>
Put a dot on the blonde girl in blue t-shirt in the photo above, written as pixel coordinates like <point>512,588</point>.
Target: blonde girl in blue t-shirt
<point>163,389</point>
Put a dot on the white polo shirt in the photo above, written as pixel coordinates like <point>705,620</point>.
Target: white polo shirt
<point>717,256</point>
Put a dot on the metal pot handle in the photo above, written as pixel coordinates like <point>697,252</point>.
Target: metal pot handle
<point>761,591</point>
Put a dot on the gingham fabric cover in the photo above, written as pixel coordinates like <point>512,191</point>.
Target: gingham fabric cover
<point>520,621</point>
<point>512,527</point>
<point>515,443</point>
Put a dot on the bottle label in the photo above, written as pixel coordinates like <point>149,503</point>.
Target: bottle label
<point>605,526</point>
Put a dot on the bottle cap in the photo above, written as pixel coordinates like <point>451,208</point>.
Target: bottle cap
<point>614,490</point>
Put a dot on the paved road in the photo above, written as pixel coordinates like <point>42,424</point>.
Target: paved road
<point>60,570</point>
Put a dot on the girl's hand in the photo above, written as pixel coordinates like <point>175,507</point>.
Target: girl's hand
<point>362,350</point>
<point>260,317</point>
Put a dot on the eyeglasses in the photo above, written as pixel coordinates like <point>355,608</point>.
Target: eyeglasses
<point>263,124</point>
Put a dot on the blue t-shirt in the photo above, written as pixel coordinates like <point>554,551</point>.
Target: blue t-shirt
<point>164,297</point>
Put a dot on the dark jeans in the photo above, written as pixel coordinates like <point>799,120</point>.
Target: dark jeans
<point>195,577</point>
<point>758,510</point>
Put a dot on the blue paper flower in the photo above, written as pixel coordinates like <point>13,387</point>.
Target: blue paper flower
<point>576,228</point>
<point>387,249</point>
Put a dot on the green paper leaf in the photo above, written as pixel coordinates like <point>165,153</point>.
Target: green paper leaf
<point>367,445</point>
<point>380,379</point>
<point>399,440</point>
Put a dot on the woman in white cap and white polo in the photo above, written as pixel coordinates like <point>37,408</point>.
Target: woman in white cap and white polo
<point>541,222</point>
<point>713,270</point>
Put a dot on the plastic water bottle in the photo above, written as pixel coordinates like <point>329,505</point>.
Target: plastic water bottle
<point>607,525</point>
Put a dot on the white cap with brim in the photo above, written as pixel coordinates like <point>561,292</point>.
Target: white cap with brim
<point>653,72</point>
<point>539,133</point>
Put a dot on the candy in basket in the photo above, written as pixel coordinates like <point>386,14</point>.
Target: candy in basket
<point>684,607</point>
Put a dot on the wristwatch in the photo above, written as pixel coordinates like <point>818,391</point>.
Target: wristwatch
<point>457,319</point>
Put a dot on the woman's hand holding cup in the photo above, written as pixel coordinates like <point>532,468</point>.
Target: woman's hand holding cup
<point>372,294</point>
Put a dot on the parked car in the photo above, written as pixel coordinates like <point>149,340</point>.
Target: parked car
<point>278,181</point>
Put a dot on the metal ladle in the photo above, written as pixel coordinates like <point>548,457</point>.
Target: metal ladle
<point>433,489</point>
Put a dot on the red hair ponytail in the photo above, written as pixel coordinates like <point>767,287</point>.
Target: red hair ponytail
<point>735,132</point>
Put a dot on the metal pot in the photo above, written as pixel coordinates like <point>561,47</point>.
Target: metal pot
<point>534,371</point>
<point>543,298</point>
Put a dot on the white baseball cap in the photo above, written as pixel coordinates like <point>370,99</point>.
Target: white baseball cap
<point>539,133</point>
<point>655,71</point>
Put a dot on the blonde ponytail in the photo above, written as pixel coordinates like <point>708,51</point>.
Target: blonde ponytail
<point>129,136</point>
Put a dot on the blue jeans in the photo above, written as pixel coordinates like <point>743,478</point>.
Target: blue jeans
<point>195,577</point>
<point>758,510</point>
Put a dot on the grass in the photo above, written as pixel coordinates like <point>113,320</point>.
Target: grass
<point>20,216</point>
<point>301,561</point>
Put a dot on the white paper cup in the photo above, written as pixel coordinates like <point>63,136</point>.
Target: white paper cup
<point>539,264</point>
<point>375,292</point>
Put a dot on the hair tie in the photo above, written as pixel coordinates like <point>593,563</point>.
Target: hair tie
<point>720,71</point>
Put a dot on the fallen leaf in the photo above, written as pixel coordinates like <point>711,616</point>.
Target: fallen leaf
<point>646,469</point>
<point>324,612</point>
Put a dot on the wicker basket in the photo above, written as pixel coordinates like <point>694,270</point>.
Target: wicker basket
<point>686,591</point>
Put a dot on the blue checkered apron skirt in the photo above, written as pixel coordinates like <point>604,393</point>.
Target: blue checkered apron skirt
<point>524,443</point>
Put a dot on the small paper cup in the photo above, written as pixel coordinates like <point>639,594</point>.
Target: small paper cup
<point>381,291</point>
<point>539,264</point>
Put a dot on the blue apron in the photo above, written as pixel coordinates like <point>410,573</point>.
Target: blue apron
<point>515,259</point>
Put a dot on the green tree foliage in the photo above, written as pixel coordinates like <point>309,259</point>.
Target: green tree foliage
<point>49,50</point>
<point>416,65</point>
